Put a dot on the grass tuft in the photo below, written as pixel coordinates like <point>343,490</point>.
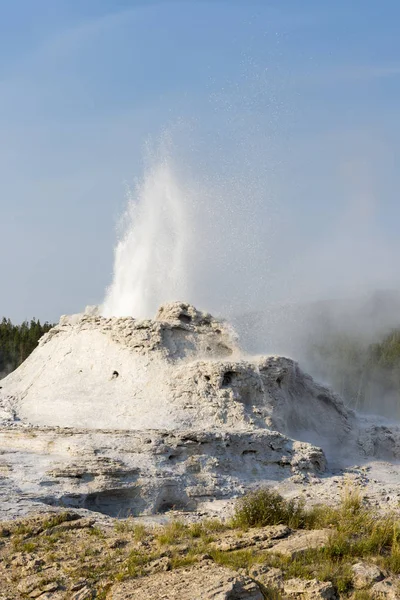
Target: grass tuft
<point>238,559</point>
<point>362,595</point>
<point>264,507</point>
<point>172,533</point>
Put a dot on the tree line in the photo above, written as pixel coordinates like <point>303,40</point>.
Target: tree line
<point>18,341</point>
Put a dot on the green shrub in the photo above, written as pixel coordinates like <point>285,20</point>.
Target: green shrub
<point>265,506</point>
<point>237,559</point>
<point>362,595</point>
<point>172,533</point>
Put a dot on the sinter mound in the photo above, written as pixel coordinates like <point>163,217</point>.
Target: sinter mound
<point>122,416</point>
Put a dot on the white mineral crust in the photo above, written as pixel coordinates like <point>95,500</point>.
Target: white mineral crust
<point>122,416</point>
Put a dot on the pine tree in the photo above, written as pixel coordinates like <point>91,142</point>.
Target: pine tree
<point>18,341</point>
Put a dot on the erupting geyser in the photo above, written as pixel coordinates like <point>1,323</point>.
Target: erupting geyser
<point>199,238</point>
<point>121,413</point>
<point>151,259</point>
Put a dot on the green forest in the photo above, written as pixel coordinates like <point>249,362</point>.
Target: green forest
<point>18,341</point>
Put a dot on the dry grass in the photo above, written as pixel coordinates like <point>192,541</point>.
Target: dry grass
<point>266,507</point>
<point>103,555</point>
<point>362,595</point>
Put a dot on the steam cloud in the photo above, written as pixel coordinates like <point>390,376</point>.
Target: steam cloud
<point>230,240</point>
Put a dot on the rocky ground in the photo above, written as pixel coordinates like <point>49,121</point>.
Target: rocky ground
<point>64,555</point>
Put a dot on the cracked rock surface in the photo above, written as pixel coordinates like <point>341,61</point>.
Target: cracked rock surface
<point>206,581</point>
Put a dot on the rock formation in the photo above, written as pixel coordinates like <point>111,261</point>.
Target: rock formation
<point>122,416</point>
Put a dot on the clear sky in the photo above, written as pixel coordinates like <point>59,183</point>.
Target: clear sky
<point>310,90</point>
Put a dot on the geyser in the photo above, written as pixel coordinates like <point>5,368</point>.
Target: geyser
<point>151,258</point>
<point>195,236</point>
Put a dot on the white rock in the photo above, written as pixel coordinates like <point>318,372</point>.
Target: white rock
<point>308,590</point>
<point>122,473</point>
<point>124,416</point>
<point>206,581</point>
<point>388,589</point>
<point>269,577</point>
<point>182,370</point>
<point>302,541</point>
<point>365,574</point>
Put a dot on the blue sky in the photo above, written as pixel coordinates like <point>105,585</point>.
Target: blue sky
<point>306,93</point>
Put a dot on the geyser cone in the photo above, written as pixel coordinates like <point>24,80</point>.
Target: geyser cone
<point>181,370</point>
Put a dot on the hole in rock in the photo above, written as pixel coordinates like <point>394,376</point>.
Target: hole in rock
<point>185,319</point>
<point>115,503</point>
<point>207,377</point>
<point>171,497</point>
<point>122,503</point>
<point>279,381</point>
<point>227,378</point>
<point>125,502</point>
<point>115,375</point>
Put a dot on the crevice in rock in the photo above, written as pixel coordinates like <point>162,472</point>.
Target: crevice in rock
<point>185,319</point>
<point>227,378</point>
<point>171,497</point>
<point>120,502</point>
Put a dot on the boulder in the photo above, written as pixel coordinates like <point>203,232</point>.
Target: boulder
<point>313,589</point>
<point>262,538</point>
<point>269,577</point>
<point>85,593</point>
<point>301,541</point>
<point>207,581</point>
<point>365,574</point>
<point>388,589</point>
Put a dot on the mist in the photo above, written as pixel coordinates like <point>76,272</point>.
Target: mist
<point>289,256</point>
